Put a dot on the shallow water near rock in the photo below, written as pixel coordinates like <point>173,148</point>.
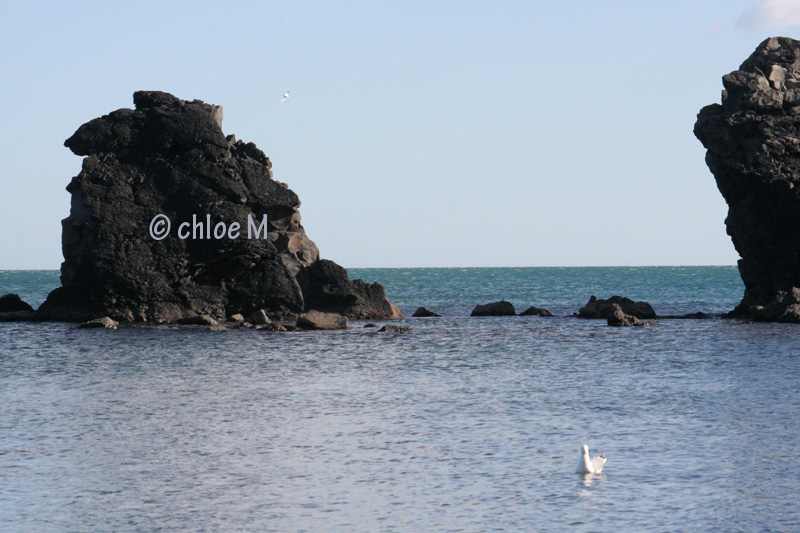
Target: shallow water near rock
<point>468,424</point>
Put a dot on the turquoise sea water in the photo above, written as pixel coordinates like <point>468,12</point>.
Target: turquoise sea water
<point>463,424</point>
<point>455,291</point>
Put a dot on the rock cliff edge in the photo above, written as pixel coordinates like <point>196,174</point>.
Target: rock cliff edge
<point>753,143</point>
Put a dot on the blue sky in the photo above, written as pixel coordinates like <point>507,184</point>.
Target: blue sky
<point>417,133</point>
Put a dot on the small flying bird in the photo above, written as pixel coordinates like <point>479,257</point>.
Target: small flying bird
<point>285,96</point>
<point>593,466</point>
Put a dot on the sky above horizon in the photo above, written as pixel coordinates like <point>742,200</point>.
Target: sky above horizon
<point>434,134</point>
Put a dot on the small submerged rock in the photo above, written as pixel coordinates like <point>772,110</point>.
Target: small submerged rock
<point>501,308</point>
<point>536,311</point>
<point>423,312</point>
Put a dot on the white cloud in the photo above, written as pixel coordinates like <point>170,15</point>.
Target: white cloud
<point>771,15</point>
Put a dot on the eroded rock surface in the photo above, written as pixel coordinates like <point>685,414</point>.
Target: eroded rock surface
<point>753,143</point>
<point>618,318</point>
<point>169,157</point>
<point>595,308</point>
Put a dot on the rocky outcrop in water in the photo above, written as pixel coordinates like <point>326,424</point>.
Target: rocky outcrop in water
<point>10,303</point>
<point>536,311</point>
<point>501,308</point>
<point>595,308</point>
<point>14,309</point>
<point>424,313</point>
<point>235,243</point>
<point>753,143</point>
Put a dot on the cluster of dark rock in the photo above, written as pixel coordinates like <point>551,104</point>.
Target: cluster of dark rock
<point>504,308</point>
<point>753,149</point>
<point>170,157</point>
<point>501,308</point>
<point>616,310</point>
<point>595,308</point>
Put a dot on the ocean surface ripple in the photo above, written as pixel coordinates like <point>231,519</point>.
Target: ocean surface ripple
<point>463,424</point>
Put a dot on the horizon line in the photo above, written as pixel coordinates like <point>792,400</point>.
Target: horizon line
<point>446,267</point>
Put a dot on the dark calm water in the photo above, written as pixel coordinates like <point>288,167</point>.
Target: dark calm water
<point>463,424</point>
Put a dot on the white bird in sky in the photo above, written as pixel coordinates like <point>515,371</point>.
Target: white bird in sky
<point>593,466</point>
<point>285,96</point>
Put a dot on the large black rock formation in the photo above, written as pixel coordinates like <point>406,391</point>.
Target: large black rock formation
<point>753,143</point>
<point>169,157</point>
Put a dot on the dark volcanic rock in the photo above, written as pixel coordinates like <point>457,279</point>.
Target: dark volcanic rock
<point>10,303</point>
<point>328,289</point>
<point>422,312</point>
<point>169,157</point>
<point>536,311</point>
<point>595,308</point>
<point>785,307</point>
<point>753,143</point>
<point>259,318</point>
<point>618,318</point>
<point>501,308</point>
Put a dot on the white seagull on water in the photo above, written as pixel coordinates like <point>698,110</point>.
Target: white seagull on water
<point>593,466</point>
<point>285,96</point>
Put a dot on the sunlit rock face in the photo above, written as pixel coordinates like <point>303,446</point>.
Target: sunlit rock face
<point>235,244</point>
<point>753,149</point>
